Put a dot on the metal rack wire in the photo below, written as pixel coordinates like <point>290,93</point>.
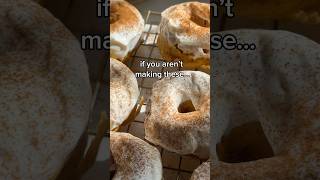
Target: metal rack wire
<point>175,166</point>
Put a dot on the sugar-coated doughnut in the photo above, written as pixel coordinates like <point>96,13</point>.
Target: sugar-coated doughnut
<point>126,27</point>
<point>185,34</point>
<point>202,172</point>
<point>124,93</point>
<point>278,85</point>
<point>179,119</point>
<point>134,158</point>
<point>45,93</point>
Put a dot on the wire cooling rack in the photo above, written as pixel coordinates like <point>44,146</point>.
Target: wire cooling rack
<point>175,166</point>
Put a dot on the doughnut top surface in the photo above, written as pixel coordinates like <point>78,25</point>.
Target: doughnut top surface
<point>126,26</point>
<point>190,22</point>
<point>179,119</point>
<point>277,84</point>
<point>202,172</point>
<point>124,16</point>
<point>45,92</point>
<point>124,92</point>
<point>134,158</point>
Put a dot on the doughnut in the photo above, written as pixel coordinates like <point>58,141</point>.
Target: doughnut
<point>278,86</point>
<point>45,93</point>
<point>126,27</point>
<point>124,93</point>
<point>179,119</point>
<point>185,34</point>
<point>202,172</point>
<point>134,158</point>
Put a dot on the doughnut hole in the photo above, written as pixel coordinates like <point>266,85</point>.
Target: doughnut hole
<point>244,143</point>
<point>200,16</point>
<point>186,107</point>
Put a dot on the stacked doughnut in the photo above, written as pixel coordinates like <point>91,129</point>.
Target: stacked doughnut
<point>185,34</point>
<point>126,27</point>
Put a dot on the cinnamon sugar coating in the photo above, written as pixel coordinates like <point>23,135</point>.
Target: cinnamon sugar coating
<point>124,92</point>
<point>202,172</point>
<point>126,27</point>
<point>134,158</point>
<point>277,85</point>
<point>185,33</point>
<point>45,93</point>
<point>186,131</point>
